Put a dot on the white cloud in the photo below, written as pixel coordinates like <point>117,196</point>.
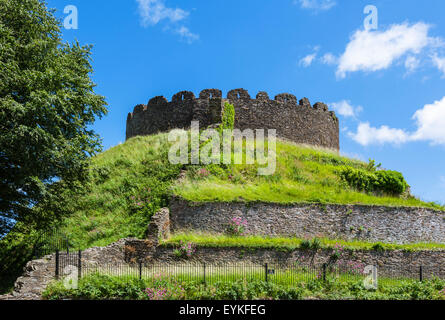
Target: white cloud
<point>367,135</point>
<point>307,60</point>
<point>185,34</point>
<point>317,4</point>
<point>329,59</point>
<point>430,122</point>
<point>345,109</point>
<point>153,12</point>
<point>412,63</point>
<point>378,50</point>
<point>439,62</point>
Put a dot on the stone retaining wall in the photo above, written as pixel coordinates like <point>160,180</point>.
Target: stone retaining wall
<point>370,223</point>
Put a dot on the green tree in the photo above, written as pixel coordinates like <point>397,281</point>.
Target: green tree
<point>47,103</point>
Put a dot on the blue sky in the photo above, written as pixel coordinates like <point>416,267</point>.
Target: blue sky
<point>387,85</point>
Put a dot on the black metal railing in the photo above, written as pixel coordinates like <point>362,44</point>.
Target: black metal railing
<point>49,242</point>
<point>283,273</point>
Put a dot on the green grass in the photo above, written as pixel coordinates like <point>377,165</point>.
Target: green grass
<point>285,243</point>
<point>130,182</point>
<point>303,175</point>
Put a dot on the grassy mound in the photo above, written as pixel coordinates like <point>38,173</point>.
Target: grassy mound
<point>131,181</point>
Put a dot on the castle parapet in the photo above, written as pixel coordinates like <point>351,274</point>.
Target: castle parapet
<point>298,122</point>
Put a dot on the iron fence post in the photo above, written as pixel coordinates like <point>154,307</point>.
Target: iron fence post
<point>266,271</point>
<point>57,264</point>
<point>140,269</point>
<point>204,268</point>
<point>79,264</point>
<point>421,273</point>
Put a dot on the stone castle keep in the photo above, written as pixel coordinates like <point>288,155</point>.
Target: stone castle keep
<point>298,122</point>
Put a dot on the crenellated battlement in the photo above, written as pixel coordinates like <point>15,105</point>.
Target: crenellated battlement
<point>294,120</point>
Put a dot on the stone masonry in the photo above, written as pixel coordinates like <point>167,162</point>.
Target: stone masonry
<point>370,223</point>
<point>299,122</point>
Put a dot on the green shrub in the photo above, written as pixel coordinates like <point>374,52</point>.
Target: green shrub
<point>427,290</point>
<point>243,290</point>
<point>382,181</point>
<point>391,182</point>
<point>371,166</point>
<point>98,287</point>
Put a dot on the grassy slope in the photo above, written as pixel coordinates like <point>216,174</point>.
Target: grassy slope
<point>132,181</point>
<point>119,204</point>
<point>302,174</point>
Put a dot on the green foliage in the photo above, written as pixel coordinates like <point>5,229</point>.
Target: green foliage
<point>382,181</point>
<point>378,247</point>
<point>95,287</point>
<point>372,166</point>
<point>185,250</point>
<point>391,182</point>
<point>163,287</point>
<point>47,105</point>
<point>243,290</point>
<point>16,250</point>
<point>98,287</point>
<point>314,244</point>
<point>228,116</point>
<point>426,290</point>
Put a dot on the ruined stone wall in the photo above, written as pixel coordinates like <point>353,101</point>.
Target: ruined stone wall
<point>299,122</point>
<point>370,223</point>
